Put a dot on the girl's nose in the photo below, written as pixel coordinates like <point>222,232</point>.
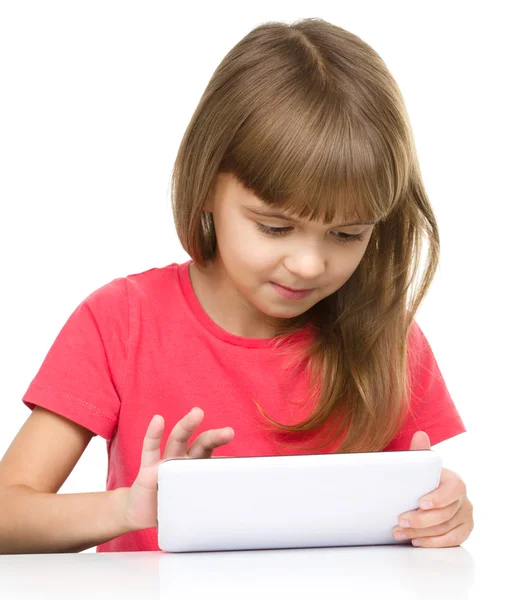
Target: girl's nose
<point>306,264</point>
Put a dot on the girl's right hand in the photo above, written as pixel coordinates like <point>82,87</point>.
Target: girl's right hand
<point>140,505</point>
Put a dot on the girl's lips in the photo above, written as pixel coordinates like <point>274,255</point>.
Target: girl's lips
<point>289,293</point>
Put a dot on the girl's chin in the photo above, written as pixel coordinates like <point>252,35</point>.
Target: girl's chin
<point>283,312</point>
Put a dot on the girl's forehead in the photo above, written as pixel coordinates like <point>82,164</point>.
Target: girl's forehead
<point>261,209</point>
<point>302,212</point>
<point>343,210</point>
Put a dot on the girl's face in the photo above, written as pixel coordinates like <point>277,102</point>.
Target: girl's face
<point>258,252</point>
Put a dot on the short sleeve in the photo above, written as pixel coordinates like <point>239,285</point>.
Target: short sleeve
<point>431,407</point>
<point>81,374</point>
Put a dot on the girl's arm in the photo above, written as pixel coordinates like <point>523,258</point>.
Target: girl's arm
<point>34,522</point>
<point>33,517</point>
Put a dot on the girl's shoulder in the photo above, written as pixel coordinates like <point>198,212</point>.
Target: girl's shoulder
<point>154,283</point>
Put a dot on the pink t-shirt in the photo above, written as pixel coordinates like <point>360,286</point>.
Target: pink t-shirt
<point>143,345</point>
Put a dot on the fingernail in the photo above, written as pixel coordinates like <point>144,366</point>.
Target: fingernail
<point>416,542</point>
<point>404,523</point>
<point>426,504</point>
<point>400,535</point>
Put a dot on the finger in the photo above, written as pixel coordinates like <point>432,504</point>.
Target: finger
<point>438,529</point>
<point>177,442</point>
<point>451,487</point>
<point>205,444</point>
<point>428,518</point>
<point>152,442</point>
<point>454,537</point>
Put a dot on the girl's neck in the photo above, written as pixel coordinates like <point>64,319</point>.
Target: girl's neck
<point>225,304</point>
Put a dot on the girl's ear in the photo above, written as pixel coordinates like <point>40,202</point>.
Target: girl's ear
<point>207,207</point>
<point>209,202</point>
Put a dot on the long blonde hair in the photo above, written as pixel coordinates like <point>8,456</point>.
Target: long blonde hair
<point>309,119</point>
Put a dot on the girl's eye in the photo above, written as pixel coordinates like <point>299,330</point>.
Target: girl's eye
<point>348,237</point>
<point>340,237</point>
<point>272,230</point>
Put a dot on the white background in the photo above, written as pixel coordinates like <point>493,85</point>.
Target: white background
<point>95,97</point>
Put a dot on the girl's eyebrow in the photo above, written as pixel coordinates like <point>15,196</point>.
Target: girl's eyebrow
<point>277,215</point>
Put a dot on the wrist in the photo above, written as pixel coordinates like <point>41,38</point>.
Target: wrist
<point>121,509</point>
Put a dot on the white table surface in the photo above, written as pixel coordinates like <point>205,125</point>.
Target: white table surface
<point>398,571</point>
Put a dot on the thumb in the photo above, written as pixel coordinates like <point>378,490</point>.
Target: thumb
<point>420,441</point>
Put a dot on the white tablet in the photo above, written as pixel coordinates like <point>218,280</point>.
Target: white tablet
<point>299,501</point>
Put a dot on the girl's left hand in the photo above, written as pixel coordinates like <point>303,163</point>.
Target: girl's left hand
<point>448,521</point>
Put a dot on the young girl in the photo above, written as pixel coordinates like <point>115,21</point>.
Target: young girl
<point>298,196</point>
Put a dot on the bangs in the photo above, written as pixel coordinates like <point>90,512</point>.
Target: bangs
<point>317,162</point>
